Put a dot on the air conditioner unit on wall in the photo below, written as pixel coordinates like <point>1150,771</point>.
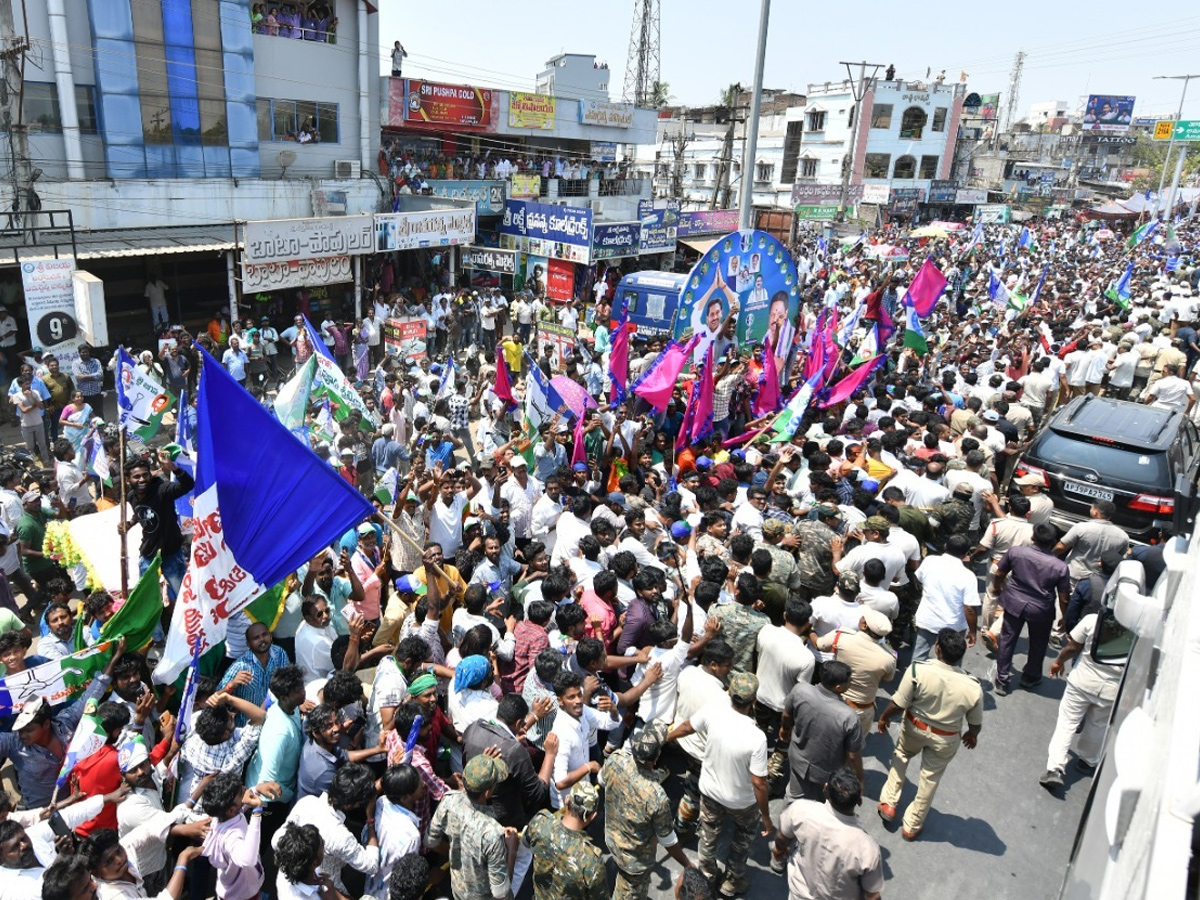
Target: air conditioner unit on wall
<point>347,168</point>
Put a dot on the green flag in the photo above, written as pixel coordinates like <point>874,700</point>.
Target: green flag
<point>268,608</point>
<point>140,614</point>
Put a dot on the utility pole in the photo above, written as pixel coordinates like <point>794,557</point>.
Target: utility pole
<point>858,90</point>
<point>746,194</point>
<point>1170,143</point>
<point>678,145</point>
<point>720,195</point>
<point>1183,152</point>
<point>12,88</point>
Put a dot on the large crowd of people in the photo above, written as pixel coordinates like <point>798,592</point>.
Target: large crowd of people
<point>578,642</point>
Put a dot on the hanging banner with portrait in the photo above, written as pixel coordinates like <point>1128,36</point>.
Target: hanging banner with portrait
<point>742,289</point>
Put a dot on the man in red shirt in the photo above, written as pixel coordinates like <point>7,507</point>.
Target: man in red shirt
<point>600,605</point>
<point>100,773</point>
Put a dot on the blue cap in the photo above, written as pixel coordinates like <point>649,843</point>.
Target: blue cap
<point>681,531</point>
<point>579,467</point>
<point>703,462</point>
<point>739,454</point>
<point>406,584</point>
<point>869,484</point>
<point>616,497</point>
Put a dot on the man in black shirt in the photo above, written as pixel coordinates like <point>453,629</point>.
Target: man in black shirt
<point>153,498</point>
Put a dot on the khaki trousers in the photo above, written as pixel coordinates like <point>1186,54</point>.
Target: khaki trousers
<point>935,751</point>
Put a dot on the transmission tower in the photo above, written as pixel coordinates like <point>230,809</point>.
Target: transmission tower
<point>1014,89</point>
<point>642,67</point>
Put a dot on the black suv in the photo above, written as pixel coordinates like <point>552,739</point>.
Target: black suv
<point>1096,448</point>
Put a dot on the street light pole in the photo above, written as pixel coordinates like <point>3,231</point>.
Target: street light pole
<point>1162,178</point>
<point>746,194</point>
<point>857,91</point>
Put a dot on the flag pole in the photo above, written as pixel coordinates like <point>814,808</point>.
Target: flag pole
<point>391,523</point>
<point>124,512</point>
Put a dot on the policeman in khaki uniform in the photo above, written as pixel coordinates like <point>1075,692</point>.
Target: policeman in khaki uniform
<point>870,662</point>
<point>935,697</point>
<point>1001,534</point>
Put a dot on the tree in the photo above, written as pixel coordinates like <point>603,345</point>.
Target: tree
<point>1151,154</point>
<point>660,94</point>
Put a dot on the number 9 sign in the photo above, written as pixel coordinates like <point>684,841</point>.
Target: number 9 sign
<point>56,327</point>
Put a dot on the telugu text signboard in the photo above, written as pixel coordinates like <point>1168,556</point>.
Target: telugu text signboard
<point>460,105</point>
<point>534,111</point>
<point>487,195</point>
<point>660,225</point>
<point>295,273</point>
<point>875,193</point>
<point>819,213</point>
<point>604,114</point>
<point>429,228</point>
<point>489,259</point>
<point>806,194</point>
<point>615,240</point>
<point>560,279</point>
<point>1108,112</point>
<point>707,221</point>
<point>970,196</point>
<point>942,191</point>
<point>278,240</point>
<point>604,151</point>
<point>543,229</point>
<point>50,306</point>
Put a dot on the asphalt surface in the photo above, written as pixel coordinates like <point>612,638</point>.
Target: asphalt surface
<point>993,832</point>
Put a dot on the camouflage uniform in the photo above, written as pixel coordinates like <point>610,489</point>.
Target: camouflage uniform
<point>566,864</point>
<point>478,855</point>
<point>954,517</point>
<point>637,815</point>
<point>740,626</point>
<point>814,557</point>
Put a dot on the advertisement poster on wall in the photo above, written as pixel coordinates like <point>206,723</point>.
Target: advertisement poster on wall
<point>534,111</point>
<point>560,279</point>
<point>460,105</point>
<point>752,272</point>
<point>560,337</point>
<point>560,232</point>
<point>1108,112</point>
<point>520,186</point>
<point>660,225</point>
<point>615,240</point>
<point>405,338</point>
<point>50,306</point>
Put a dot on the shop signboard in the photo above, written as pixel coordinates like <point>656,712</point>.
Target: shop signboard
<point>535,111</point>
<point>543,229</point>
<point>488,195</point>
<point>660,225</point>
<point>615,240</point>
<point>520,186</point>
<point>604,114</point>
<point>903,201</point>
<point>707,221</point>
<point>560,279</point>
<point>295,273</point>
<point>458,105</point>
<point>490,259</point>
<point>1108,112</point>
<point>278,240</point>
<point>970,196</point>
<point>604,151</point>
<point>942,191</point>
<point>428,228</point>
<point>817,213</point>
<point>806,194</point>
<point>405,338</point>
<point>993,213</point>
<point>876,193</point>
<point>50,306</point>
<point>560,337</point>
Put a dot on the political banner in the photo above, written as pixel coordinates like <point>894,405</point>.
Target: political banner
<point>535,111</point>
<point>707,221</point>
<point>50,306</point>
<point>615,240</point>
<point>751,274</point>
<point>524,186</point>
<point>406,339</point>
<point>1108,112</point>
<point>660,225</point>
<point>560,279</point>
<point>989,107</point>
<point>428,228</point>
<point>559,232</point>
<point>560,337</point>
<point>141,400</point>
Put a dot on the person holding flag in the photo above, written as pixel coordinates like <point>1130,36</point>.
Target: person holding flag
<point>153,499</point>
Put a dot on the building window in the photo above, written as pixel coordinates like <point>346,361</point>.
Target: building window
<point>877,165</point>
<point>39,107</point>
<point>816,121</point>
<point>808,168</point>
<point>912,123</point>
<point>939,119</point>
<point>906,169</point>
<point>700,170</point>
<point>929,166</point>
<point>791,151</point>
<point>850,118</point>
<point>287,120</point>
<point>85,108</point>
<point>881,115</point>
<point>316,23</point>
<point>764,172</point>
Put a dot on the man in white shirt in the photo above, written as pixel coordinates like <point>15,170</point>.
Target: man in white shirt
<point>574,722</point>
<point>950,596</point>
<point>748,518</point>
<point>445,507</point>
<point>875,531</point>
<point>314,639</point>
<point>784,660</point>
<point>1171,392</point>
<point>546,512</point>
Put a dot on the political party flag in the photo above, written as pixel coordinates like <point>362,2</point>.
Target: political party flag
<point>341,393</point>
<point>183,724</point>
<point>58,681</point>
<point>926,289</point>
<point>1120,292</point>
<point>183,425</point>
<point>833,355</point>
<point>788,421</point>
<point>502,387</point>
<point>89,738</point>
<point>97,458</point>
<point>140,614</point>
<point>689,414</point>
<point>1026,238</point>
<point>141,400</point>
<point>1037,291</point>
<point>446,386</point>
<point>657,383</point>
<point>1142,233</point>
<point>886,327</point>
<point>850,324</point>
<point>268,608</point>
<point>914,335</point>
<point>846,388</point>
<point>997,292</point>
<point>324,421</point>
<point>702,417</point>
<point>815,362</point>
<point>976,237</point>
<point>263,505</point>
<point>1046,336</point>
<point>767,400</point>
<point>578,453</point>
<point>318,342</point>
<point>291,401</point>
<point>868,348</point>
<point>618,355</point>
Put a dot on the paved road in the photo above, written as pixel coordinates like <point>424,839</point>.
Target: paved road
<point>993,832</point>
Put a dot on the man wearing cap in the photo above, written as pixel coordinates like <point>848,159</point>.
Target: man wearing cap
<point>1031,487</point>
<point>870,662</point>
<point>874,545</point>
<point>935,697</point>
<point>567,865</point>
<point>777,541</point>
<point>733,781</point>
<point>814,554</point>
<point>954,516</point>
<point>637,813</point>
<point>1002,534</point>
<point>522,491</point>
<point>480,849</point>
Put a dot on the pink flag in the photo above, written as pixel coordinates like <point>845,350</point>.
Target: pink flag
<point>816,357</point>
<point>926,289</point>
<point>578,454</point>
<point>702,419</point>
<point>618,364</point>
<point>503,386</point>
<point>768,385</point>
<point>846,388</point>
<point>658,382</point>
<point>887,327</point>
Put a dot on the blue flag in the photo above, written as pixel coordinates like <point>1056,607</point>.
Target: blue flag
<point>318,342</point>
<point>264,504</point>
<point>1026,238</point>
<point>1033,298</point>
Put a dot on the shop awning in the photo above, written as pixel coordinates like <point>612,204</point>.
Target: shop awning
<point>118,243</point>
<point>700,245</point>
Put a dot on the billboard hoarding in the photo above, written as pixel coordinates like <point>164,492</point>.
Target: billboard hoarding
<point>993,213</point>
<point>942,191</point>
<point>460,105</point>
<point>535,111</point>
<point>816,213</point>
<point>1108,112</point>
<point>607,115</point>
<point>278,240</point>
<point>707,221</point>
<point>970,196</point>
<point>875,193</point>
<point>50,305</point>
<point>560,279</point>
<point>804,194</point>
<point>558,232</point>
<point>616,239</point>
<point>487,195</point>
<point>560,337</point>
<point>430,228</point>
<point>604,151</point>
<point>278,276</point>
<point>989,107</point>
<point>660,225</point>
<point>489,259</point>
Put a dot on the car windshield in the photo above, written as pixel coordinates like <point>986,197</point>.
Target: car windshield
<point>1147,469</point>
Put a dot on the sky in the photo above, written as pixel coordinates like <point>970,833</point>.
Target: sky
<point>705,47</point>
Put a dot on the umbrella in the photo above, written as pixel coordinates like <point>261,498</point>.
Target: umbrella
<point>949,226</point>
<point>929,231</point>
<point>1105,234</point>
<point>573,394</point>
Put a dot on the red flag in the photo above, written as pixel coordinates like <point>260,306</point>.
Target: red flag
<point>848,386</point>
<point>768,385</point>
<point>926,289</point>
<point>503,386</point>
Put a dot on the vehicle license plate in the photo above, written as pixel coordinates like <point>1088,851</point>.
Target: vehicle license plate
<point>1088,490</point>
